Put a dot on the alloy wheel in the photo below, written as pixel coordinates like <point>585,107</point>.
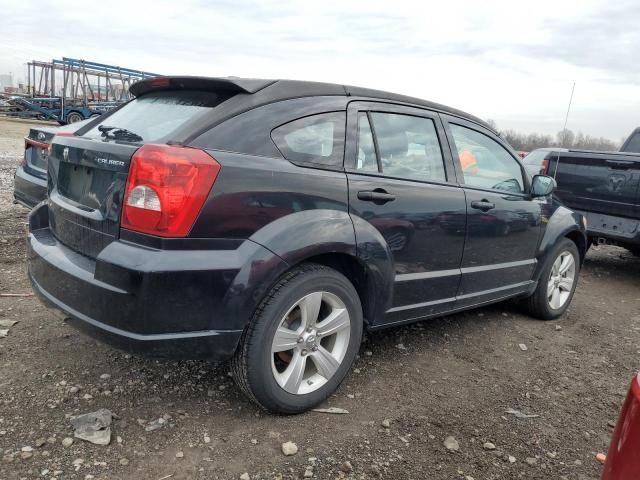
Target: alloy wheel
<point>561,280</point>
<point>310,343</point>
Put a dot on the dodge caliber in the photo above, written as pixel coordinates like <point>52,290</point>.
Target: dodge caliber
<point>270,222</point>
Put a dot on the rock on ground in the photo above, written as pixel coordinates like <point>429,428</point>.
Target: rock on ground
<point>289,448</point>
<point>452,444</point>
<point>94,427</point>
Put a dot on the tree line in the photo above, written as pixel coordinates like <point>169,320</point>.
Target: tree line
<point>565,138</point>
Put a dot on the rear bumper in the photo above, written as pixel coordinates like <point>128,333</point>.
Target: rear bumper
<point>28,189</point>
<point>215,345</point>
<point>620,230</point>
<point>163,303</point>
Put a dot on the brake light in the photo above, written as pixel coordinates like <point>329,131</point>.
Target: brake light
<point>158,82</point>
<point>30,142</point>
<point>166,188</point>
<point>544,166</point>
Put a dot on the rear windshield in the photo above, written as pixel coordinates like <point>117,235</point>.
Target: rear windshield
<point>633,144</point>
<point>535,157</point>
<point>157,114</point>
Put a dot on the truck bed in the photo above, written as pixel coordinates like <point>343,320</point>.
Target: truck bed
<point>605,187</point>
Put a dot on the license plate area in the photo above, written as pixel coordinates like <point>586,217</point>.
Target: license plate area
<point>85,186</point>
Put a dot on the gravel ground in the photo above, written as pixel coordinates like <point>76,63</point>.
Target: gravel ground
<point>410,389</point>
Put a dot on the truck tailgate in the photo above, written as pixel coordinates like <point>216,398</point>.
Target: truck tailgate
<point>599,182</point>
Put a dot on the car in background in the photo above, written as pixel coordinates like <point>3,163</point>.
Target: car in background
<point>602,186</point>
<point>30,179</point>
<point>623,460</point>
<point>537,161</point>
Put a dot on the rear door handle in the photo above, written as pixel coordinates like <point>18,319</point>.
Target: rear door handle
<point>484,205</point>
<point>376,196</point>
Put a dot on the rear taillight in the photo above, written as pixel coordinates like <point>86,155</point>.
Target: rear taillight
<point>544,166</point>
<point>30,142</point>
<point>166,188</point>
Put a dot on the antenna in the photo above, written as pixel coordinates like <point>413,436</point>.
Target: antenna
<point>564,129</point>
<point>566,117</point>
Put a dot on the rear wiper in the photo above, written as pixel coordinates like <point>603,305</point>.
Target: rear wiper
<point>119,133</point>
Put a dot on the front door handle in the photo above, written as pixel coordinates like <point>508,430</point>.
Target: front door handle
<point>484,205</point>
<point>376,196</point>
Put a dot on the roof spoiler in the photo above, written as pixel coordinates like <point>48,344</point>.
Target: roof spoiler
<point>227,84</point>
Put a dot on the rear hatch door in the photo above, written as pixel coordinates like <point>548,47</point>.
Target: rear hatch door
<point>86,185</point>
<point>88,172</point>
<point>606,182</point>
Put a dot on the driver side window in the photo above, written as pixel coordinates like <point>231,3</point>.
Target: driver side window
<point>485,163</point>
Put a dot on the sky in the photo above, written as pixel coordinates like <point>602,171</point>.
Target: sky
<point>508,61</point>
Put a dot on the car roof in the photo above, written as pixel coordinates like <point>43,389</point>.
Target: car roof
<point>550,149</point>
<point>276,90</point>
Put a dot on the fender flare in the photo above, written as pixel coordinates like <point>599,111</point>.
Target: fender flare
<point>561,224</point>
<point>295,238</point>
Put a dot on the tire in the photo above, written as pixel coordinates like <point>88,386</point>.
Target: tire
<point>266,374</point>
<point>74,117</point>
<point>543,304</point>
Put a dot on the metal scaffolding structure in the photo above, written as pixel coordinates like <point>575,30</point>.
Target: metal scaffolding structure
<point>81,80</point>
<point>70,90</point>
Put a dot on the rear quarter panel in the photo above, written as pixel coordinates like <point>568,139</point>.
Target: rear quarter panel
<point>251,192</point>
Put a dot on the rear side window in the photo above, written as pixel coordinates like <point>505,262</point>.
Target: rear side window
<point>157,114</point>
<point>317,139</point>
<point>367,160</point>
<point>408,147</point>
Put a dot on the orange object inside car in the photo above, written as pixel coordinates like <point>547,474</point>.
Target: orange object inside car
<point>469,162</point>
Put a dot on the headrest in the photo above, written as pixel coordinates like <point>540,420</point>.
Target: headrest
<point>392,143</point>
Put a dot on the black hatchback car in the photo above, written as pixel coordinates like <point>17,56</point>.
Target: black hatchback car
<point>270,222</point>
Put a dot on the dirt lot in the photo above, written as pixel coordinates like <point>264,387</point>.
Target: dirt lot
<point>455,376</point>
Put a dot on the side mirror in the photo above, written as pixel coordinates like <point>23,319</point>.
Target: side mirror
<point>542,185</point>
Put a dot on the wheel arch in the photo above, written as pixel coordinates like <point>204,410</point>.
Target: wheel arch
<point>564,223</point>
<point>336,239</point>
<point>356,272</point>
<point>580,240</point>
